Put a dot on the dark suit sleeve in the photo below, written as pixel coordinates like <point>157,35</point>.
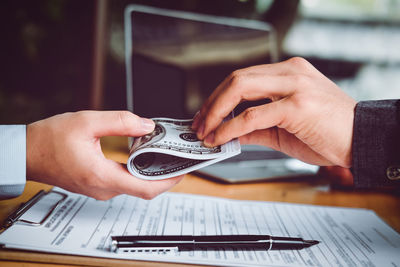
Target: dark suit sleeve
<point>376,144</point>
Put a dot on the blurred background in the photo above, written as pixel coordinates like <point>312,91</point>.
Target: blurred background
<point>67,55</point>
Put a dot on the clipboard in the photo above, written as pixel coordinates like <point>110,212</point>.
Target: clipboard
<point>45,201</point>
<point>80,233</point>
<point>55,199</point>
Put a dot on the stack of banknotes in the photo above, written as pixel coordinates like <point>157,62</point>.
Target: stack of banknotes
<point>173,149</point>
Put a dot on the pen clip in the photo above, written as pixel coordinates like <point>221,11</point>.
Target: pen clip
<point>270,243</point>
<point>115,248</point>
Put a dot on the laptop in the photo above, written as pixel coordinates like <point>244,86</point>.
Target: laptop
<point>172,57</point>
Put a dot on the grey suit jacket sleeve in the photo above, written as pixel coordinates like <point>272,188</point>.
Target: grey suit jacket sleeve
<point>376,144</point>
<point>12,160</point>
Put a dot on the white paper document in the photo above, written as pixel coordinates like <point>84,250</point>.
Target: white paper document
<point>84,226</point>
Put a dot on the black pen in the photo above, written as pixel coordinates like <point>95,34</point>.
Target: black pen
<point>188,242</point>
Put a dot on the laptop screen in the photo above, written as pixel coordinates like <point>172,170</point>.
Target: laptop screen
<point>175,59</point>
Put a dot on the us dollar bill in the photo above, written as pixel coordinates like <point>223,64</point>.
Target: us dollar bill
<point>173,149</point>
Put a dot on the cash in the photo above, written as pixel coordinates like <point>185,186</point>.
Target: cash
<point>173,149</point>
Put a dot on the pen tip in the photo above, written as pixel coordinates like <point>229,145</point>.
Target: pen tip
<point>311,242</point>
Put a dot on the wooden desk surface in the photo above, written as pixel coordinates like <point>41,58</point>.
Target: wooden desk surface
<point>307,191</point>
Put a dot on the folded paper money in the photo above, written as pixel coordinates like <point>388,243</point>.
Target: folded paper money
<point>173,149</point>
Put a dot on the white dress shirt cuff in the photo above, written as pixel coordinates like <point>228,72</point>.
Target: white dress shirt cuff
<point>12,160</point>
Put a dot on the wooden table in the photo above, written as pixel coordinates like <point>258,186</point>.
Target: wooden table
<point>311,190</point>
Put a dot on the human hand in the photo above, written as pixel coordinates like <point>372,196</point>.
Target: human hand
<point>65,151</point>
<point>309,117</point>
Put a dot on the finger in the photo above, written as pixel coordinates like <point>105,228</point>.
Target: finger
<point>341,177</point>
<point>254,118</point>
<point>118,123</point>
<point>291,66</point>
<point>249,87</point>
<point>285,142</point>
<point>260,69</point>
<point>98,193</point>
<point>122,181</point>
<point>265,137</point>
<point>196,121</point>
<point>198,118</point>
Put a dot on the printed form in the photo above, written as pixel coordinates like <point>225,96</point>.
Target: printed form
<point>84,226</point>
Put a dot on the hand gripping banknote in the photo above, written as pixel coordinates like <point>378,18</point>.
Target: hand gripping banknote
<point>173,149</point>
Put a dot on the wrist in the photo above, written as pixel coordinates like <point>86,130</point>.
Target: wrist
<point>32,152</point>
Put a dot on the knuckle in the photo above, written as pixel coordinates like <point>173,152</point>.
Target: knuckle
<point>145,196</point>
<point>237,84</point>
<point>236,79</point>
<point>102,196</point>
<point>148,194</point>
<point>108,196</point>
<point>82,115</point>
<point>204,109</point>
<point>249,115</point>
<point>299,62</point>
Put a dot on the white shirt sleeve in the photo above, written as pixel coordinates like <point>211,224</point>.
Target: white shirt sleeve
<point>12,160</point>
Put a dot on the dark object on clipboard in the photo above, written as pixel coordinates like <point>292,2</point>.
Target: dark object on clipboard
<point>188,242</point>
<point>47,202</point>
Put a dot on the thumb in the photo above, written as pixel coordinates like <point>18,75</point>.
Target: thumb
<point>119,123</point>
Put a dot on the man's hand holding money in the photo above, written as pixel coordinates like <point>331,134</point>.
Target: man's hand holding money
<point>65,151</point>
<point>309,118</point>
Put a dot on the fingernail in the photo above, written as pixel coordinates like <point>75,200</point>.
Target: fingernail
<point>196,120</point>
<point>147,124</point>
<point>200,131</point>
<point>209,139</point>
